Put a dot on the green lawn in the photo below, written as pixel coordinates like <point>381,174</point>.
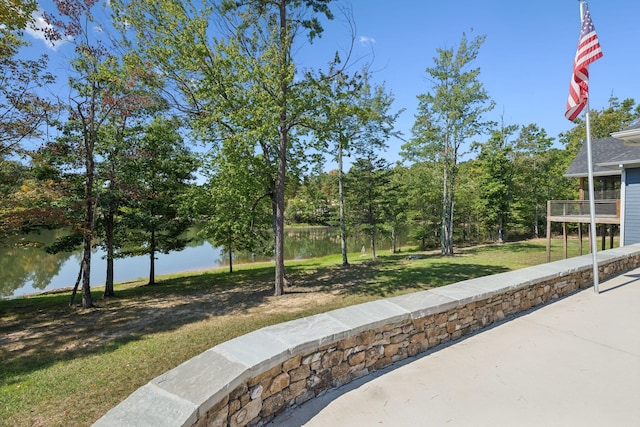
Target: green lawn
<point>64,366</point>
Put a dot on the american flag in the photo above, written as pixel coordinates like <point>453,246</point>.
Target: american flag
<point>588,51</point>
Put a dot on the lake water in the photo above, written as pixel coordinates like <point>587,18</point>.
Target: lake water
<point>28,269</point>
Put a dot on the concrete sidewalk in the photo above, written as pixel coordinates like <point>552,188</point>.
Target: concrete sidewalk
<point>575,362</point>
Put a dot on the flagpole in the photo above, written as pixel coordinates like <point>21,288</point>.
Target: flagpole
<point>592,203</point>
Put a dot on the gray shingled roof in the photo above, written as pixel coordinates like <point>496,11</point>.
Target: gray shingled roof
<point>608,154</point>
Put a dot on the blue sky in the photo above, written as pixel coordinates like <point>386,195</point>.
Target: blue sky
<point>525,62</point>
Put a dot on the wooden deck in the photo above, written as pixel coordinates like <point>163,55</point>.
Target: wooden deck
<point>578,212</point>
<point>585,219</point>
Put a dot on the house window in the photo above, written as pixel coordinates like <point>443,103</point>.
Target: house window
<point>604,188</point>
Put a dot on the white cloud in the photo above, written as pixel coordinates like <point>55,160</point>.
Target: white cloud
<point>38,27</point>
<point>367,40</point>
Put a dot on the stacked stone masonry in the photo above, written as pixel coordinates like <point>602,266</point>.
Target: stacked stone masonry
<point>250,380</point>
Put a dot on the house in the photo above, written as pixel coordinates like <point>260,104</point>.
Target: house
<point>616,176</point>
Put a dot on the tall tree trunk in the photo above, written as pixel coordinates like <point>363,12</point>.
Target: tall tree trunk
<point>393,239</point>
<point>230,247</point>
<point>535,200</point>
<point>451,206</point>
<point>283,146</point>
<point>372,237</point>
<point>279,223</point>
<point>343,234</point>
<point>87,300</point>
<point>108,228</point>
<point>152,258</point>
<point>371,222</point>
<point>447,213</point>
<point>450,228</point>
<point>75,287</point>
<point>445,206</point>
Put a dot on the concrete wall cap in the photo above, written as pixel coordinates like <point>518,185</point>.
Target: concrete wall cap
<point>511,280</point>
<point>302,335</point>
<point>150,406</point>
<point>463,292</point>
<point>256,350</point>
<point>204,379</point>
<point>370,315</point>
<point>424,303</point>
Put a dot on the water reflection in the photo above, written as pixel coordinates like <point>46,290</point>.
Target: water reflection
<point>28,268</point>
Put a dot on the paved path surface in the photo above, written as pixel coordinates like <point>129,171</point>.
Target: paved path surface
<point>575,362</point>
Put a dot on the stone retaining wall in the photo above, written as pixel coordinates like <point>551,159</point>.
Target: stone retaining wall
<point>252,378</point>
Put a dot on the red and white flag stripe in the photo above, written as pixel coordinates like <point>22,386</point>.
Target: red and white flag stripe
<point>588,51</point>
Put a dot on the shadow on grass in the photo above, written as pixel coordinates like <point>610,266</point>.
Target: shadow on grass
<point>40,331</point>
<point>513,247</point>
<point>392,276</point>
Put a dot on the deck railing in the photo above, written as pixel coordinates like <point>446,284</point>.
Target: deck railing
<point>608,208</point>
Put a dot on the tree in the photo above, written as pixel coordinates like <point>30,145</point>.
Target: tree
<point>33,204</point>
<point>342,126</point>
<point>245,85</point>
<point>613,118</point>
<point>314,200</point>
<point>105,90</point>
<point>532,163</point>
<point>157,178</point>
<point>420,184</point>
<point>234,203</point>
<point>369,189</point>
<point>447,117</point>
<point>495,182</point>
<point>22,110</point>
<point>85,109</point>
<point>395,206</point>
<point>469,214</point>
<point>135,102</point>
<point>356,118</point>
<point>15,15</point>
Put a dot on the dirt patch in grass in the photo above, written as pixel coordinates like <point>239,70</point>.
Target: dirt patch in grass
<point>27,330</point>
<point>46,325</point>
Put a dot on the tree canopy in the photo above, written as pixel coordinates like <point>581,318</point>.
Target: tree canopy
<point>202,114</point>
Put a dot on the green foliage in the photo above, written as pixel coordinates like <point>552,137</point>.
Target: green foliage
<point>235,202</point>
<point>15,15</point>
<point>33,205</point>
<point>468,213</point>
<point>231,67</point>
<point>23,109</point>
<point>533,180</point>
<point>420,184</point>
<point>157,178</point>
<point>447,117</point>
<point>613,118</point>
<point>371,197</point>
<point>237,79</point>
<point>65,243</point>
<point>12,174</point>
<point>314,202</point>
<point>496,181</point>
